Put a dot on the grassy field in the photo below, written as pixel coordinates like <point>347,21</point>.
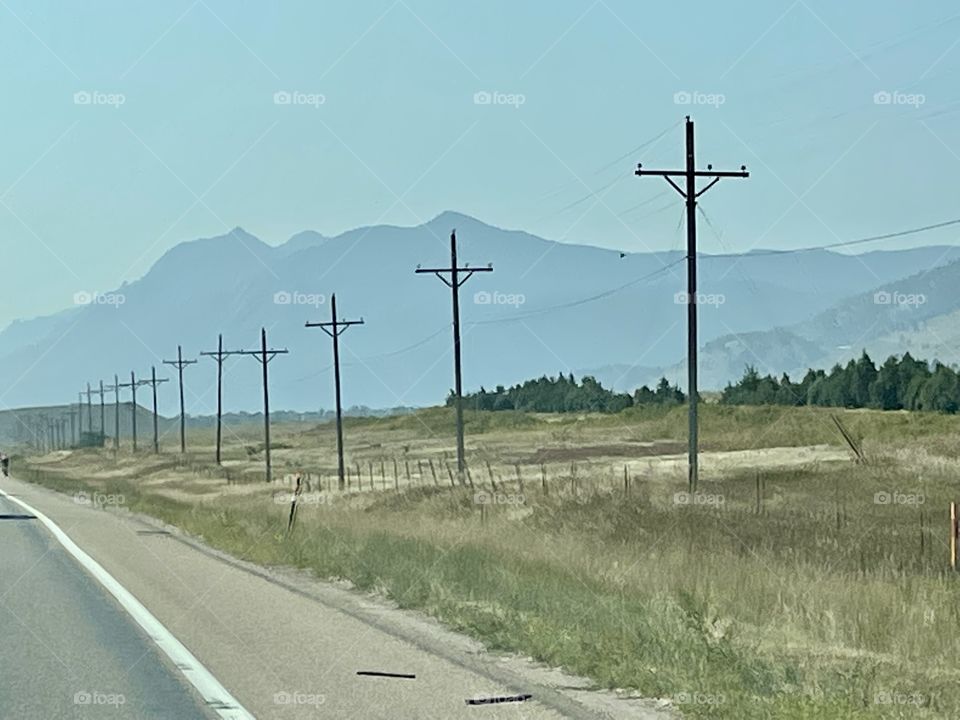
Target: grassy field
<point>794,584</point>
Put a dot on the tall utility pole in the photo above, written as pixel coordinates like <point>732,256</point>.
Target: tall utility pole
<point>454,284</point>
<point>115,389</point>
<point>153,382</point>
<point>690,194</point>
<point>264,355</point>
<point>133,406</point>
<point>99,392</point>
<point>333,329</point>
<point>219,355</point>
<point>180,364</point>
<point>103,428</point>
<point>89,409</point>
<point>73,424</point>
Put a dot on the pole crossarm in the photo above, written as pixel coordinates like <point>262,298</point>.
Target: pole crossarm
<point>259,354</point>
<point>339,326</point>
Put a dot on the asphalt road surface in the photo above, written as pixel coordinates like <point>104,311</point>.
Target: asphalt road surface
<point>151,625</point>
<point>66,649</point>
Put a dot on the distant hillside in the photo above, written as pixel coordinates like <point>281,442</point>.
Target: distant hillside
<point>919,313</point>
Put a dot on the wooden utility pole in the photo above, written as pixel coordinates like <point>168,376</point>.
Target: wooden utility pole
<point>333,329</point>
<point>133,406</point>
<point>454,283</point>
<point>264,355</point>
<point>153,382</point>
<point>690,195</point>
<point>219,355</point>
<point>73,424</point>
<point>180,364</point>
<point>89,409</point>
<point>99,392</point>
<point>115,389</point>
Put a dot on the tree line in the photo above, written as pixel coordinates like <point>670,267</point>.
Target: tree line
<point>903,383</point>
<point>564,394</point>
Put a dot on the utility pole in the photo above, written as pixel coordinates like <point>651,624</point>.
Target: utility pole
<point>103,429</point>
<point>99,392</point>
<point>264,355</point>
<point>220,355</point>
<point>89,409</point>
<point>333,329</point>
<point>180,364</point>
<point>115,389</point>
<point>454,284</point>
<point>153,382</point>
<point>79,415</point>
<point>133,417</point>
<point>73,425</point>
<point>690,195</point>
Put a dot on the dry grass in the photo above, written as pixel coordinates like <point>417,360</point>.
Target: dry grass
<point>828,597</point>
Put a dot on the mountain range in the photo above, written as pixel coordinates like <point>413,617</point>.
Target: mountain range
<point>546,307</point>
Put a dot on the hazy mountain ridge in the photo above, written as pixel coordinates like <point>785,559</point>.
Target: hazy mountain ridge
<point>512,327</point>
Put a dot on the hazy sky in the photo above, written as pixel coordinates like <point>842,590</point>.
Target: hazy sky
<point>128,127</point>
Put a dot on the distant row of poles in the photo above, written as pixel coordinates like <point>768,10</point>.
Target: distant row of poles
<point>453,276</point>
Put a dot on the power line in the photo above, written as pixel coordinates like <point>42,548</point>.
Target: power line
<point>615,161</point>
<point>845,243</point>
<point>582,301</point>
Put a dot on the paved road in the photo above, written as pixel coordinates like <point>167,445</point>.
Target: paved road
<point>282,649</point>
<point>66,649</point>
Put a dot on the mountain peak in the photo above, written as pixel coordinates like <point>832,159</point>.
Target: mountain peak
<point>453,220</point>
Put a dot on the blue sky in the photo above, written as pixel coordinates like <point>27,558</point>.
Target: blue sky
<point>130,127</point>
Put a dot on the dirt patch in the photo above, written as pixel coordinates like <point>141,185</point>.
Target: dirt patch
<point>588,452</point>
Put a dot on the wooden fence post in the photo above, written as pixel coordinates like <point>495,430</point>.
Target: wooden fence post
<point>953,535</point>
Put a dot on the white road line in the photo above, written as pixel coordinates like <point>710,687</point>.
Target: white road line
<point>214,694</point>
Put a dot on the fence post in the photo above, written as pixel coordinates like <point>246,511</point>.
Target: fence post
<point>953,535</point>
